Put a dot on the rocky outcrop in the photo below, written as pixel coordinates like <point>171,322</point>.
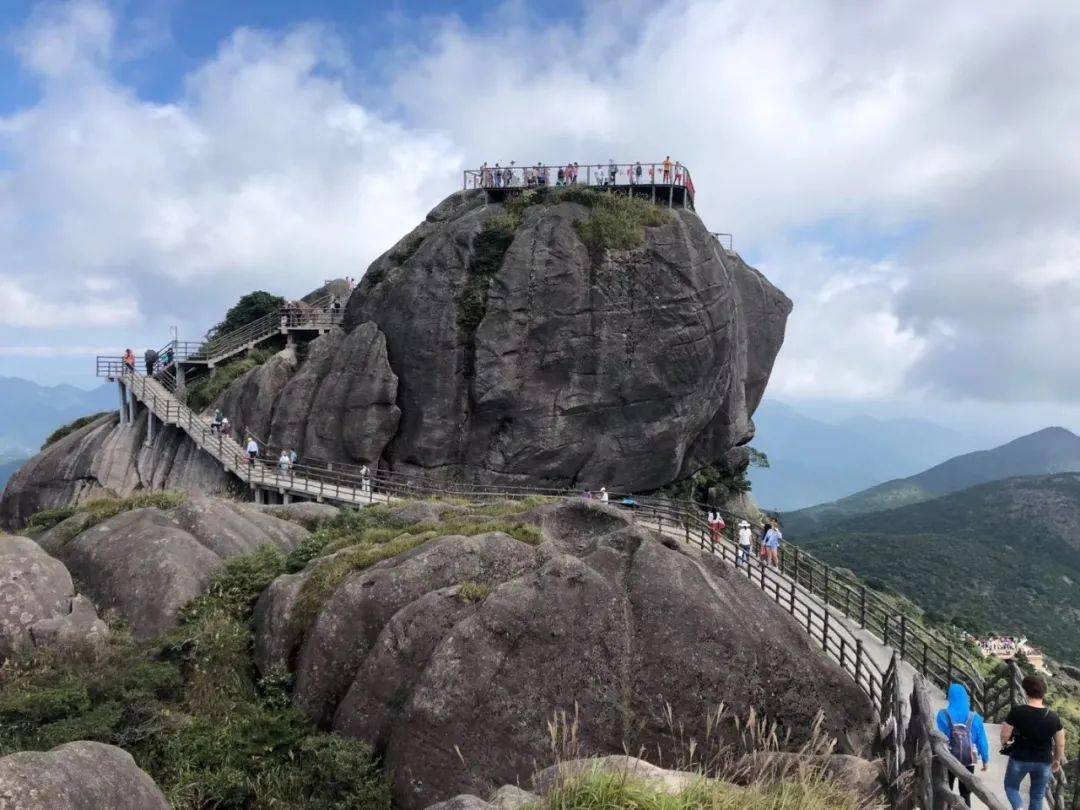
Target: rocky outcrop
<point>105,458</point>
<point>526,358</point>
<point>77,776</point>
<point>603,616</point>
<point>38,604</point>
<point>146,564</point>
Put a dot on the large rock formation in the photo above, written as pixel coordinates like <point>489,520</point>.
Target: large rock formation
<point>77,776</point>
<point>38,604</point>
<point>146,564</point>
<point>530,360</point>
<point>603,618</point>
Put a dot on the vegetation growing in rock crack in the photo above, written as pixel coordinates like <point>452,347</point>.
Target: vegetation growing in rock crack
<point>358,539</point>
<point>205,390</point>
<point>71,427</point>
<point>102,509</point>
<point>472,592</point>
<point>191,711</point>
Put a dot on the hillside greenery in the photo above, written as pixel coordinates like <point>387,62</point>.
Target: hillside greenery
<point>101,509</point>
<point>1001,557</point>
<point>202,393</point>
<point>71,427</point>
<point>191,709</point>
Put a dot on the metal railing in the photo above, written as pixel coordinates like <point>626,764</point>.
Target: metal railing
<point>726,240</point>
<point>665,174</point>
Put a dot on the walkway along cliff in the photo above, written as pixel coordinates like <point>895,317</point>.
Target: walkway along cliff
<point>560,337</point>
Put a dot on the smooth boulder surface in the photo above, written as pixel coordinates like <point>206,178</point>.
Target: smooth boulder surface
<point>604,618</point>
<point>148,563</point>
<point>77,776</point>
<point>38,604</point>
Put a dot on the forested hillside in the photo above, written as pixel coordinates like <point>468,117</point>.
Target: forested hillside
<point>1003,556</point>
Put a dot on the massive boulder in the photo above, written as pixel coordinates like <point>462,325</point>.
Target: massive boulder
<point>604,619</point>
<point>38,604</point>
<point>632,368</point>
<point>77,776</point>
<point>527,359</point>
<point>146,564</point>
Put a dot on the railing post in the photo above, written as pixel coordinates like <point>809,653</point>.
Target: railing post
<point>885,622</point>
<point>825,631</point>
<point>858,660</point>
<point>948,665</point>
<point>825,587</point>
<point>862,607</point>
<point>925,655</point>
<point>903,636</point>
<point>791,598</point>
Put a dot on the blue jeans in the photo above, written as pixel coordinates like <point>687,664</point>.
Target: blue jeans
<point>1014,775</point>
<point>742,556</point>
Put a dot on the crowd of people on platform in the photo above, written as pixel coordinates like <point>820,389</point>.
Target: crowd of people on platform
<point>511,176</point>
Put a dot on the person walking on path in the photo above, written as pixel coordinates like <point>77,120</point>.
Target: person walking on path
<point>603,495</point>
<point>716,527</point>
<point>746,537</point>
<point>252,451</point>
<point>966,733</point>
<point>226,427</point>
<point>219,417</point>
<point>1034,739</point>
<point>771,543</point>
<point>150,358</point>
<point>284,463</point>
<point>129,361</point>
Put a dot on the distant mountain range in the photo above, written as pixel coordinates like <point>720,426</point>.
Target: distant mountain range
<point>32,411</point>
<point>812,461</point>
<point>1001,556</point>
<point>1051,450</point>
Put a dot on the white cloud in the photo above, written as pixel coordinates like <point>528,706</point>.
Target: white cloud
<point>37,309</point>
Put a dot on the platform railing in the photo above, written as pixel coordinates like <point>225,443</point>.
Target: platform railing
<point>594,175</point>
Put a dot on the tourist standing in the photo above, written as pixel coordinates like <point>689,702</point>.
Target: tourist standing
<point>637,172</point>
<point>498,176</point>
<point>219,417</point>
<point>365,479</point>
<point>252,451</point>
<point>284,462</point>
<point>746,539</point>
<point>613,170</point>
<point>966,733</point>
<point>771,543</point>
<point>1034,739</point>
<point>129,361</point>
<point>667,169</point>
<point>603,495</point>
<point>226,428</point>
<point>150,358</point>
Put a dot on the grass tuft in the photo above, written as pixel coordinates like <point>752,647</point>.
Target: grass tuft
<point>101,509</point>
<point>471,592</point>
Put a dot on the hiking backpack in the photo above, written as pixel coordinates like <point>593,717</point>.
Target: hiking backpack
<point>960,745</point>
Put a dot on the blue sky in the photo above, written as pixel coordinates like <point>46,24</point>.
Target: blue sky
<point>912,187</point>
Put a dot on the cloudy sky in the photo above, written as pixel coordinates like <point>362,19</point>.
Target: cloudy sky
<point>908,172</point>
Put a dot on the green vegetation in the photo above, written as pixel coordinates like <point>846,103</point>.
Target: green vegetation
<point>605,791</point>
<point>249,308</point>
<point>71,427</point>
<point>192,712</point>
<point>1001,557</point>
<point>619,222</point>
<point>357,539</point>
<point>102,509</point>
<point>697,486</point>
<point>489,248</point>
<point>205,390</point>
<point>472,592</point>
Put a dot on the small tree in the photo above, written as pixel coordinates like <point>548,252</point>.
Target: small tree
<point>249,308</point>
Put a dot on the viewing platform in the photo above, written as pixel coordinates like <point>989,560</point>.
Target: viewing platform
<point>665,182</point>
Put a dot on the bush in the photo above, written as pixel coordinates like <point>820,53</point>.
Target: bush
<point>71,427</point>
<point>202,393</point>
<point>47,518</point>
<point>249,308</point>
<point>189,709</point>
<point>618,222</point>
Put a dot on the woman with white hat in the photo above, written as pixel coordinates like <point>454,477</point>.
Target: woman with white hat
<point>745,540</point>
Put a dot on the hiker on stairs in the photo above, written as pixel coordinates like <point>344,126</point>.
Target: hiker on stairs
<point>252,451</point>
<point>746,537</point>
<point>966,733</point>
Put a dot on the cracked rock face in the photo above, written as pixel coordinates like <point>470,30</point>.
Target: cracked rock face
<point>38,604</point>
<point>603,618</point>
<point>77,776</point>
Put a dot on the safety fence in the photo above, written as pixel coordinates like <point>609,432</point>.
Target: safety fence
<point>661,174</point>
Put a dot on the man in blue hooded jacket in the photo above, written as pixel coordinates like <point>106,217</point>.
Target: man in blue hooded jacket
<point>966,733</point>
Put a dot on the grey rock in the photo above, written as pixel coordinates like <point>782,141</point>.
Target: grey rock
<point>355,411</point>
<point>38,605</point>
<point>147,563</point>
<point>462,802</point>
<point>308,514</point>
<point>295,405</point>
<point>143,566</point>
<point>603,615</point>
<point>278,635</point>
<point>249,401</point>
<point>511,797</point>
<point>632,369</point>
<point>77,776</point>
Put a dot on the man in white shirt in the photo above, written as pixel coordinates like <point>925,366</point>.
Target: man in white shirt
<point>745,540</point>
<point>252,451</point>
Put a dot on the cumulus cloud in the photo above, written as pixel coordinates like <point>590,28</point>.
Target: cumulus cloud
<point>960,135</point>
